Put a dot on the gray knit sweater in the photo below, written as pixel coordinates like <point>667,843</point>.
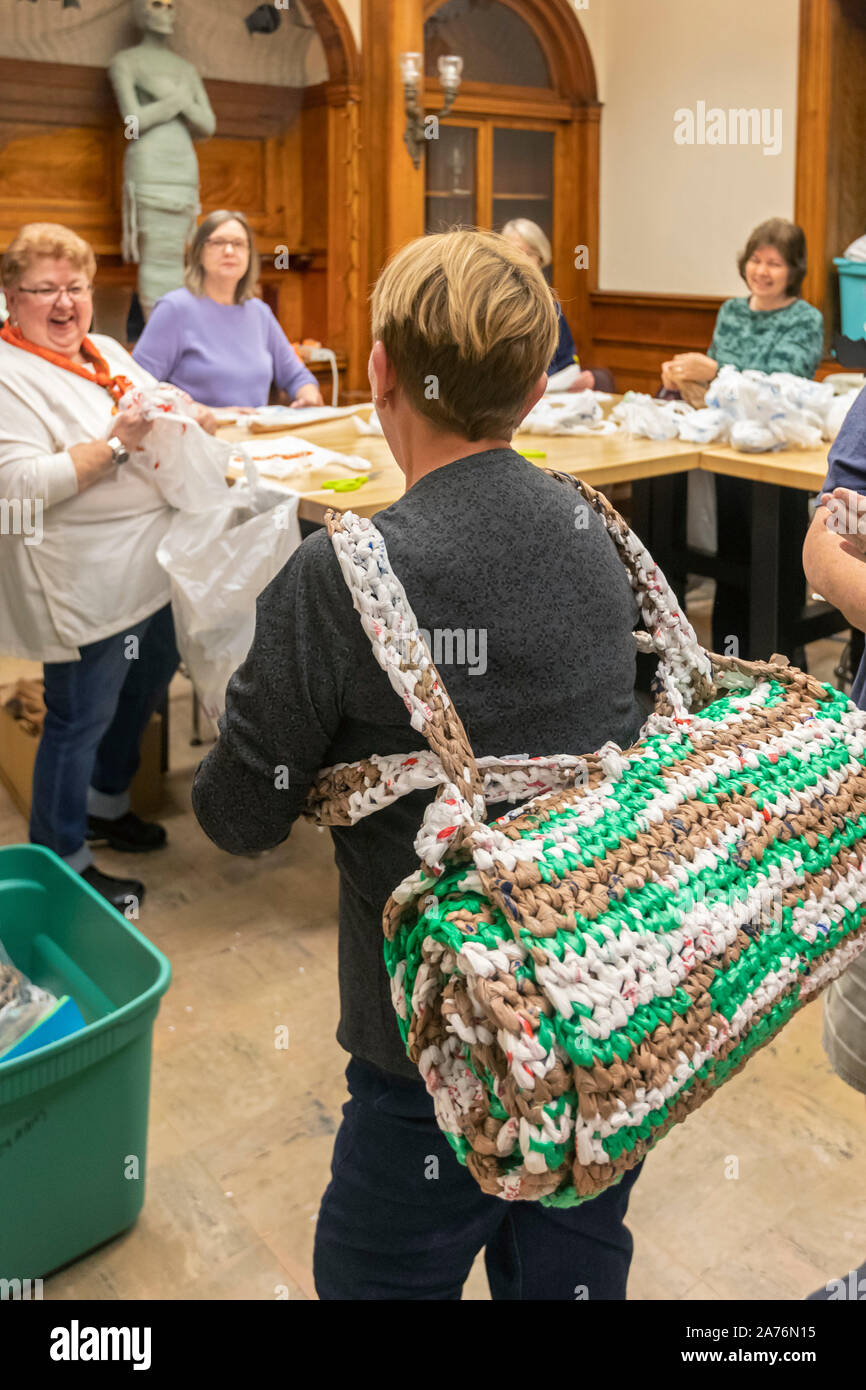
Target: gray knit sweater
<point>539,659</point>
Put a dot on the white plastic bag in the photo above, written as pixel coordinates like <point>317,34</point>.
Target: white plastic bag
<point>835,417</point>
<point>568,412</point>
<point>705,426</point>
<point>224,544</point>
<point>219,562</point>
<point>646,418</point>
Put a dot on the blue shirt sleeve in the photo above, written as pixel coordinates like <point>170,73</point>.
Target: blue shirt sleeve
<point>566,353</point>
<point>846,462</point>
<point>158,348</point>
<point>290,374</point>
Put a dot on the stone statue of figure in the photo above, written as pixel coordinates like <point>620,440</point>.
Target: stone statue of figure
<point>164,106</point>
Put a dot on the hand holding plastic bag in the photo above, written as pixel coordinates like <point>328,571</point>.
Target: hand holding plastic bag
<point>224,544</point>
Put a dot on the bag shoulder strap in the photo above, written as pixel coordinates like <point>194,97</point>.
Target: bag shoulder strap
<point>389,622</point>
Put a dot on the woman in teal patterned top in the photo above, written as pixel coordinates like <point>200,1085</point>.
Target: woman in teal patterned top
<point>770,330</point>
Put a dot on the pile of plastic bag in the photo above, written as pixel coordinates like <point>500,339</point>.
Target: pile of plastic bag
<point>753,411</point>
<point>569,412</point>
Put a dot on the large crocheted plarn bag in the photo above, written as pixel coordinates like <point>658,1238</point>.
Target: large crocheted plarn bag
<point>578,976</point>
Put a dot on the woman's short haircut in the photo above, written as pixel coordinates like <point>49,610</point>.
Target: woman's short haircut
<point>193,275</point>
<point>786,238</point>
<point>45,239</point>
<point>532,236</point>
<point>469,324</point>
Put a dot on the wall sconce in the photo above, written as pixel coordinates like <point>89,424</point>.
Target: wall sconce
<point>412,73</point>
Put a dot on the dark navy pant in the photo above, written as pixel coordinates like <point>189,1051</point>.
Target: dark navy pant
<point>96,710</point>
<point>402,1219</point>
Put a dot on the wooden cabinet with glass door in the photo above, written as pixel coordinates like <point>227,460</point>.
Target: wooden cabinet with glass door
<point>521,140</point>
<point>484,173</point>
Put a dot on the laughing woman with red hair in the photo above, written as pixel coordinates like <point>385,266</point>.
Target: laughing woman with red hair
<point>81,580</point>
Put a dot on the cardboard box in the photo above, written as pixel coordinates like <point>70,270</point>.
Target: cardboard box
<point>18,757</point>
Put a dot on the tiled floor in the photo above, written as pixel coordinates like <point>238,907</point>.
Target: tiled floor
<point>241,1132</point>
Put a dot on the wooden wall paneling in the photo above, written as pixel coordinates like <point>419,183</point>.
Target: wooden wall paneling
<point>315,159</point>
<point>632,334</point>
<point>233,174</point>
<point>70,175</point>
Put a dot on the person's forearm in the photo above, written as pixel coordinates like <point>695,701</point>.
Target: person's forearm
<point>838,577</point>
<point>92,462</point>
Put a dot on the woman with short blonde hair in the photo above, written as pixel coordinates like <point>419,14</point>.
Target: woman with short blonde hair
<point>214,338</point>
<point>531,616</point>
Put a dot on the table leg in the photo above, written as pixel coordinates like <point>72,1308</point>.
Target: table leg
<point>765,571</point>
<point>666,541</point>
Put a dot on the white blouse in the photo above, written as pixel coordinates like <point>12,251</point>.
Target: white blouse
<point>74,567</point>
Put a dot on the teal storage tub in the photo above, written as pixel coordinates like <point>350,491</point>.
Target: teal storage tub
<point>852,296</point>
<point>73,1115</point>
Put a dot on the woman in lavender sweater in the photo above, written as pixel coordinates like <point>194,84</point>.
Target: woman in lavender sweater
<point>212,338</point>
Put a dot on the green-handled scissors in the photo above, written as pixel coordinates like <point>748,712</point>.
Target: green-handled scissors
<point>347,484</point>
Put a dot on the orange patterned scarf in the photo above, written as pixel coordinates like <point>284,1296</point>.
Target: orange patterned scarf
<point>116,386</point>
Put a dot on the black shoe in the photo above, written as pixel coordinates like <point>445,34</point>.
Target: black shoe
<point>118,891</point>
<point>128,833</point>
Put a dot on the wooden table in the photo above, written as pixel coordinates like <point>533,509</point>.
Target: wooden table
<point>780,620</point>
<point>600,460</point>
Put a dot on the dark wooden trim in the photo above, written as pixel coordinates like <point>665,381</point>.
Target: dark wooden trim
<point>82,96</point>
<point>338,41</point>
<point>487,99</point>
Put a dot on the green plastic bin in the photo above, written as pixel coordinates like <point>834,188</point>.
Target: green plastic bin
<point>73,1115</point>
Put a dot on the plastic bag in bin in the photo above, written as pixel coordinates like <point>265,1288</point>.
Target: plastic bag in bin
<point>22,1004</point>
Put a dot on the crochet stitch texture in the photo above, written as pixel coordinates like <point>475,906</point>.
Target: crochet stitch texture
<point>579,975</point>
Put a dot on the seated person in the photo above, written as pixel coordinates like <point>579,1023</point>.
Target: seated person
<point>769,330</point>
<point>213,338</point>
<point>530,239</point>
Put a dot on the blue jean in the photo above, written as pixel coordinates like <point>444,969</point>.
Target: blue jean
<point>96,710</point>
<point>402,1219</point>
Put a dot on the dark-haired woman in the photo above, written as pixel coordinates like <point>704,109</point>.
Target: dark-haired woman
<point>769,330</point>
<point>213,338</point>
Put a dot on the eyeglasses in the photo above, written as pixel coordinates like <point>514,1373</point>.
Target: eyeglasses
<point>220,243</point>
<point>53,292</point>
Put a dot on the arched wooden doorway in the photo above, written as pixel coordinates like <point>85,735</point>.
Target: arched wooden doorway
<point>522,137</point>
<point>338,41</point>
